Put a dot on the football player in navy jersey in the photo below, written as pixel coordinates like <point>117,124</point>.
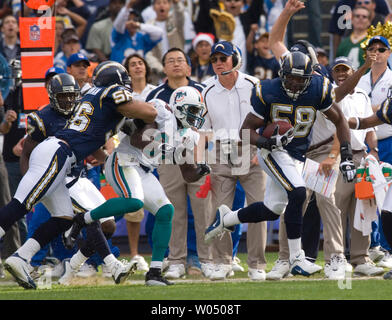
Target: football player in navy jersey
<point>383,115</point>
<point>278,48</point>
<point>44,123</point>
<point>96,118</point>
<point>293,97</point>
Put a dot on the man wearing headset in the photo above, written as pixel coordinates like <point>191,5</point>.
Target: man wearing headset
<point>227,99</point>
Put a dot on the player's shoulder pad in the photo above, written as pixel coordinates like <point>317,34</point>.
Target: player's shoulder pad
<point>35,121</point>
<point>118,93</point>
<point>323,87</point>
<point>385,111</point>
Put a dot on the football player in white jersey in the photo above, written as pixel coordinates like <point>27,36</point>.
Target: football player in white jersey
<point>129,168</point>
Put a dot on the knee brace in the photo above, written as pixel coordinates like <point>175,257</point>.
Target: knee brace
<point>95,241</point>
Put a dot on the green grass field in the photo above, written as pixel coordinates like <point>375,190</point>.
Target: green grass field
<point>197,288</point>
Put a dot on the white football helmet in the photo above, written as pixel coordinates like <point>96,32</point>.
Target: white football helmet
<point>188,106</point>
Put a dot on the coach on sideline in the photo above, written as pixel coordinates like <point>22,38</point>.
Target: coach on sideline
<point>227,99</point>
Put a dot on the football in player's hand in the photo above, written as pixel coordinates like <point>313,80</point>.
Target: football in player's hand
<point>269,130</point>
<point>91,160</point>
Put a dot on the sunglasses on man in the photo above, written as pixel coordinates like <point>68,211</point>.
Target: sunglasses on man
<point>214,59</point>
<point>381,50</point>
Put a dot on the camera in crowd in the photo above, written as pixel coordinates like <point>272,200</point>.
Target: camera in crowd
<point>16,72</point>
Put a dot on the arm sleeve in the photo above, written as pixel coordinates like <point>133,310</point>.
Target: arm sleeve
<point>36,127</point>
<point>155,33</point>
<point>327,95</point>
<point>385,112</point>
<point>121,19</point>
<point>257,101</point>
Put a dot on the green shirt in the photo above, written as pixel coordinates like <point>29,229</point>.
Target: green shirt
<point>352,51</point>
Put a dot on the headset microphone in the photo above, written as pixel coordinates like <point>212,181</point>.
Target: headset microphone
<point>237,61</point>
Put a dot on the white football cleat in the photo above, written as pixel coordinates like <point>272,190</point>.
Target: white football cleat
<point>69,273</point>
<point>141,264</point>
<point>368,269</point>
<point>376,254</point>
<point>221,272</point>
<point>300,266</point>
<point>217,228</point>
<point>280,270</point>
<point>20,269</point>
<point>175,271</point>
<point>236,265</point>
<point>207,269</point>
<point>86,271</point>
<point>106,273</point>
<point>386,261</point>
<point>256,274</point>
<point>336,268</point>
<point>121,270</point>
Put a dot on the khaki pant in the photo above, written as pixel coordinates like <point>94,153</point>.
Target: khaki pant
<point>11,239</point>
<point>346,201</point>
<point>177,190</point>
<point>223,185</point>
<point>329,212</point>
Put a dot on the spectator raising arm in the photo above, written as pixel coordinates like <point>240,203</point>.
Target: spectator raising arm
<point>276,37</point>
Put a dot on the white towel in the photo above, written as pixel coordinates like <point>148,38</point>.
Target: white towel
<point>380,184</point>
<point>365,213</point>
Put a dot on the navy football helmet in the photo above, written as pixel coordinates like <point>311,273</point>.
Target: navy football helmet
<point>64,93</point>
<point>110,72</point>
<point>295,73</point>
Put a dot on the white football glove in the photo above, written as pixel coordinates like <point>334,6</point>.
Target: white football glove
<point>347,168</point>
<point>189,138</point>
<point>278,141</point>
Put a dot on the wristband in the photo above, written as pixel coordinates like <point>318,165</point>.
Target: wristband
<point>358,125</point>
<point>263,142</point>
<point>346,152</point>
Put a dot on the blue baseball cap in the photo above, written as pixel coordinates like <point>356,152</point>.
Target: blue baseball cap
<point>53,71</point>
<point>381,39</point>
<point>341,61</point>
<point>76,57</point>
<point>224,47</point>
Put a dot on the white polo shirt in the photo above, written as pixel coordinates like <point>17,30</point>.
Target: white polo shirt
<point>322,129</point>
<point>357,105</point>
<point>227,109</point>
<point>378,93</point>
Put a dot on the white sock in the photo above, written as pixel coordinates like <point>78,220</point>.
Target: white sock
<point>109,259</point>
<point>87,217</point>
<point>77,260</point>
<point>2,232</point>
<point>29,249</point>
<point>156,264</point>
<point>231,219</point>
<point>294,246</point>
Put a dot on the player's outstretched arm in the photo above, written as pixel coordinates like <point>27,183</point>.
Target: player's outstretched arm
<point>138,110</point>
<point>350,83</point>
<point>364,123</point>
<point>276,36</point>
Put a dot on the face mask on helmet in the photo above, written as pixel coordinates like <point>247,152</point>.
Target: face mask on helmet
<point>110,72</point>
<point>296,74</point>
<point>188,107</point>
<point>64,93</point>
